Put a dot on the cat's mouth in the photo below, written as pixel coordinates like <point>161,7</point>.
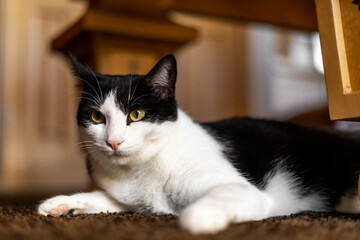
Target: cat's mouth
<point>123,153</point>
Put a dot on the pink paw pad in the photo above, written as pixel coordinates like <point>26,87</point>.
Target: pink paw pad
<point>63,208</point>
<point>54,212</point>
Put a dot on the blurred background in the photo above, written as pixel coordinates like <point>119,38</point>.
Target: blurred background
<point>226,68</point>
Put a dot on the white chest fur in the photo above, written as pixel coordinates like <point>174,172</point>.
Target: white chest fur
<point>140,190</point>
<point>189,163</point>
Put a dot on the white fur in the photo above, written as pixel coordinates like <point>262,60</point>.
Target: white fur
<point>282,190</point>
<point>236,202</point>
<point>174,167</point>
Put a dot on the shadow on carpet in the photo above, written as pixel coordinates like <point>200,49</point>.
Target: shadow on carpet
<point>18,220</point>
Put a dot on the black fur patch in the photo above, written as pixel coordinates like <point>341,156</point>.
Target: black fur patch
<point>324,161</point>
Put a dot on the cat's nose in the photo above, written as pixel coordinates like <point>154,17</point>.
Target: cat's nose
<point>114,144</point>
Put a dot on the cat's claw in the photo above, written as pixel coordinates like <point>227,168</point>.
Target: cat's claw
<point>62,205</point>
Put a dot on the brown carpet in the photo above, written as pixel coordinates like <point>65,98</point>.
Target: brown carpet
<point>18,220</point>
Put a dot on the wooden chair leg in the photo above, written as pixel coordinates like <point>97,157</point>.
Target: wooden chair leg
<point>339,28</point>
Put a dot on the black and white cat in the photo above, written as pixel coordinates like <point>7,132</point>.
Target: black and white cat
<point>148,156</point>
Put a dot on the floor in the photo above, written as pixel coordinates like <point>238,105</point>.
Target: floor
<point>18,220</point>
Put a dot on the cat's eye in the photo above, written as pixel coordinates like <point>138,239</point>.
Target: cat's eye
<point>97,117</point>
<point>137,115</point>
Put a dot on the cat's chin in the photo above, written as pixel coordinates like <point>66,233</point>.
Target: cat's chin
<point>123,160</point>
<point>123,157</point>
<point>120,154</point>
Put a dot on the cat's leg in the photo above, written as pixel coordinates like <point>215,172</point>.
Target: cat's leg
<point>223,205</point>
<point>80,203</point>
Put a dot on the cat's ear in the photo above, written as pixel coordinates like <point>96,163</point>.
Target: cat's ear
<point>79,69</point>
<point>83,73</point>
<point>161,79</point>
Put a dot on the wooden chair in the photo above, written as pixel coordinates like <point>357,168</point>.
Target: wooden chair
<point>339,27</point>
<point>338,22</point>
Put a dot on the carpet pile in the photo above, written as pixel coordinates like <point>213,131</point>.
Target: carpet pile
<point>18,220</point>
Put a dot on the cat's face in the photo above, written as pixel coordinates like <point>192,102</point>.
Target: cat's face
<point>123,118</point>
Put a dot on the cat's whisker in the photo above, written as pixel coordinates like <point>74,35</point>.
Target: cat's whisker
<point>85,141</point>
<point>99,103</point>
<point>102,96</point>
<point>132,95</point>
<point>144,95</point>
<point>81,144</point>
<point>90,149</point>
<point>90,99</point>
<point>98,97</point>
<point>77,147</point>
<point>92,144</point>
<point>130,80</point>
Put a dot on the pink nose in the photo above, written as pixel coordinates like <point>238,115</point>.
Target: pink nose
<point>114,144</point>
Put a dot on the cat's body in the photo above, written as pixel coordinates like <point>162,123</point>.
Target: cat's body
<point>148,156</point>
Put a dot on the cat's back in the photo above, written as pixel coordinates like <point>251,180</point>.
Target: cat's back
<point>257,147</point>
<point>255,133</point>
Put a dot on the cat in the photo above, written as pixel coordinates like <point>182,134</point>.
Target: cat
<point>148,156</point>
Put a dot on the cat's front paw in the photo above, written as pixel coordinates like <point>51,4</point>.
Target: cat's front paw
<point>61,205</point>
<point>204,219</point>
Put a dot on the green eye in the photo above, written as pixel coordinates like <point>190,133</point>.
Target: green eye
<point>97,117</point>
<point>137,115</point>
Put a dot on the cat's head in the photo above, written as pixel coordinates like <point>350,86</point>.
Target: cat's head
<point>122,118</point>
